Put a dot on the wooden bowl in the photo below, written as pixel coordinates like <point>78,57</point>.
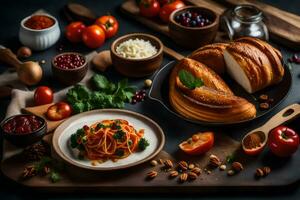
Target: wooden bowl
<point>137,67</point>
<point>69,76</point>
<point>193,37</point>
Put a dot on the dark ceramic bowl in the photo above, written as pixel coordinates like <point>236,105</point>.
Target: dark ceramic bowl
<point>193,37</point>
<point>137,67</point>
<point>69,76</point>
<point>23,140</point>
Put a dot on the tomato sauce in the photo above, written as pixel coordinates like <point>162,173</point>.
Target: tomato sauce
<point>22,124</point>
<point>39,22</point>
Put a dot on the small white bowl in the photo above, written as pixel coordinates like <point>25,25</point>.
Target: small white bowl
<point>39,39</point>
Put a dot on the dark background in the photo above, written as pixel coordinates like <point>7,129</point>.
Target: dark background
<point>13,11</point>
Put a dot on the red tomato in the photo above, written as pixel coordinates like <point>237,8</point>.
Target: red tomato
<point>109,24</point>
<point>93,36</point>
<point>59,111</point>
<point>43,95</point>
<point>149,8</point>
<point>199,143</point>
<point>168,8</point>
<point>283,141</point>
<point>74,31</point>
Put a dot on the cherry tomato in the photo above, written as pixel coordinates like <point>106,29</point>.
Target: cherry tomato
<point>59,111</point>
<point>199,143</point>
<point>283,141</point>
<point>93,36</point>
<point>74,31</point>
<point>43,95</point>
<point>109,24</point>
<point>149,8</point>
<point>168,8</point>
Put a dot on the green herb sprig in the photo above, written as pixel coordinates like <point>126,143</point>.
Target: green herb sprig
<point>106,94</point>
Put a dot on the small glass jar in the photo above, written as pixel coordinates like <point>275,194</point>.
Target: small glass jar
<point>245,20</point>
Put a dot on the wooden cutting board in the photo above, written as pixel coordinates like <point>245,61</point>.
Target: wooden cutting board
<point>284,27</point>
<point>132,179</point>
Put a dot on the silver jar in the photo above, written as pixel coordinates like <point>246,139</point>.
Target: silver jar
<point>245,20</point>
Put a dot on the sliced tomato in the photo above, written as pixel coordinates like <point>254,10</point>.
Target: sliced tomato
<point>198,144</point>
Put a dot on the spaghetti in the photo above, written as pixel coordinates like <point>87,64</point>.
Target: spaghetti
<point>108,139</point>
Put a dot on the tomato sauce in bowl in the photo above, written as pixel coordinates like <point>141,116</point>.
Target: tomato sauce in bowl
<point>22,124</point>
<point>39,22</point>
<point>23,129</point>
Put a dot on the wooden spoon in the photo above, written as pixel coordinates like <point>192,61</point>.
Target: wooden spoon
<point>29,72</point>
<point>78,12</point>
<point>172,53</point>
<point>262,132</point>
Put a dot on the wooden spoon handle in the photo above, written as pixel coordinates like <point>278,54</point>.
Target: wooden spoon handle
<point>281,117</point>
<point>172,53</point>
<point>8,57</point>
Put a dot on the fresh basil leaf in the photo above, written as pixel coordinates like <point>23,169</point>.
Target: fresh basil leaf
<point>189,80</point>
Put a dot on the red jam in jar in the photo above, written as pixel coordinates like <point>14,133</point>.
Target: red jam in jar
<point>22,124</point>
<point>69,61</point>
<point>39,22</point>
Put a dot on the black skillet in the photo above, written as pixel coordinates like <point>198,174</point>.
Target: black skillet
<point>159,91</point>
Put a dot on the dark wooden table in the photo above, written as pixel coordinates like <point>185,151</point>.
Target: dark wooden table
<point>11,13</point>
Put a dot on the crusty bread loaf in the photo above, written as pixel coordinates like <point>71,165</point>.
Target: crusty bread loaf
<point>212,102</point>
<point>253,63</point>
<point>212,56</point>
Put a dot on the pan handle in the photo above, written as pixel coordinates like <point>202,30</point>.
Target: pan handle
<point>155,92</point>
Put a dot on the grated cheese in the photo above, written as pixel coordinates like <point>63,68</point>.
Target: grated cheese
<point>136,49</point>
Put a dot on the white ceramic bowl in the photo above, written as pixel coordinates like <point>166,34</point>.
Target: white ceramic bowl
<point>39,39</point>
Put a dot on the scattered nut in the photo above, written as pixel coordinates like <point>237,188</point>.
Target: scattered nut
<point>237,166</point>
<point>264,106</point>
<point>173,174</point>
<point>192,176</point>
<point>153,162</point>
<point>168,164</point>
<point>191,166</point>
<point>148,83</point>
<point>43,61</point>
<point>183,177</point>
<point>266,170</point>
<point>152,174</point>
<point>24,52</point>
<point>230,172</point>
<point>161,161</point>
<point>259,172</point>
<point>28,172</point>
<point>183,165</point>
<point>214,161</point>
<point>263,97</point>
<point>222,167</point>
<point>197,171</point>
<point>208,172</point>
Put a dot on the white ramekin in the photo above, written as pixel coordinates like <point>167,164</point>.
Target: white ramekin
<point>39,39</point>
